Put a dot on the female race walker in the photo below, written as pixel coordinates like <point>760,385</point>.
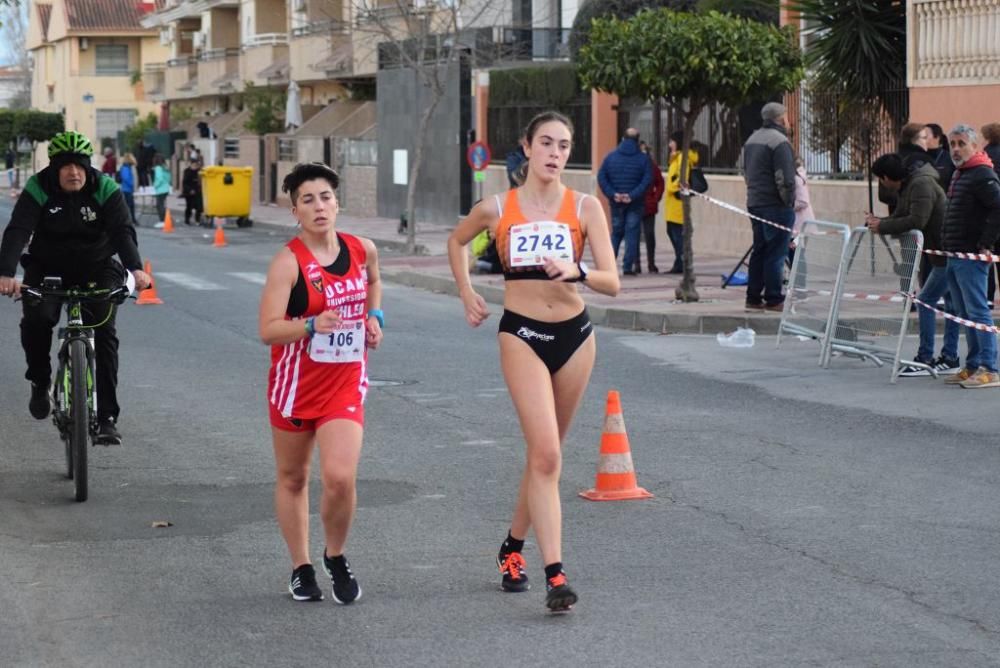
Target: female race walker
<point>546,339</point>
<point>320,313</point>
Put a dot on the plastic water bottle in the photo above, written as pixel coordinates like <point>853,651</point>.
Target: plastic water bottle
<point>743,337</point>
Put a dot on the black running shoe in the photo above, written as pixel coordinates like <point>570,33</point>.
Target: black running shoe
<point>107,433</point>
<point>345,587</point>
<point>40,406</point>
<point>303,585</point>
<point>946,366</point>
<point>512,565</point>
<point>559,596</point>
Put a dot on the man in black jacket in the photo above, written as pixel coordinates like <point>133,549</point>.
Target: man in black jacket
<point>191,187</point>
<point>921,205</point>
<point>972,225</point>
<point>768,166</point>
<point>76,221</point>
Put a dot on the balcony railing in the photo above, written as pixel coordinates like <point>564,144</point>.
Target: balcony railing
<point>217,54</point>
<point>485,45</point>
<point>320,27</point>
<point>953,42</point>
<point>265,39</point>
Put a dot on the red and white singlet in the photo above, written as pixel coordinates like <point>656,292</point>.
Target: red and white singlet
<point>324,374</point>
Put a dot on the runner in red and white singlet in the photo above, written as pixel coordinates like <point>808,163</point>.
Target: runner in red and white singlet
<point>320,313</point>
<point>317,378</point>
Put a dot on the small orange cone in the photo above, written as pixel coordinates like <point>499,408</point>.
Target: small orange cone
<point>149,296</point>
<point>615,474</point>
<point>220,236</point>
<point>168,224</point>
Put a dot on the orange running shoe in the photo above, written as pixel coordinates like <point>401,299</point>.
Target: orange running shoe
<point>512,565</point>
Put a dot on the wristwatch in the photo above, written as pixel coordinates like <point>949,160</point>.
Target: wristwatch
<point>582,268</point>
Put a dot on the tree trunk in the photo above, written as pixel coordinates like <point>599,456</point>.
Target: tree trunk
<point>687,292</point>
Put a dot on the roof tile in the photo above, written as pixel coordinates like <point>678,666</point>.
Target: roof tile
<point>120,15</point>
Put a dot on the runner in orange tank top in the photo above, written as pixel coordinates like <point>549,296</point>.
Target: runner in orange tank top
<point>547,347</point>
<point>320,313</point>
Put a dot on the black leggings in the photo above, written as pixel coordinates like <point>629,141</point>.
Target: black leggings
<point>40,319</point>
<point>553,342</point>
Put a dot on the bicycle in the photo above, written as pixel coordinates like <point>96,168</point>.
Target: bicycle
<point>74,390</point>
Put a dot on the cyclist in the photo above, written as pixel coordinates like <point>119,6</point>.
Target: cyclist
<point>319,311</point>
<point>76,220</point>
<point>547,347</point>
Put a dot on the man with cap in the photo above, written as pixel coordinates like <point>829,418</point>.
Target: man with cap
<point>768,166</point>
<point>76,221</point>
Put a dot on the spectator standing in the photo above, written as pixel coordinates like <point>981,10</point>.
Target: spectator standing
<point>937,149</point>
<point>652,203</point>
<point>921,206</point>
<point>913,141</point>
<point>673,207</point>
<point>803,213</point>
<point>191,189</point>
<point>516,161</point>
<point>161,186</point>
<point>768,165</point>
<point>972,225</point>
<point>991,135</point>
<point>127,177</point>
<point>624,177</point>
<point>110,165</point>
<point>10,159</point>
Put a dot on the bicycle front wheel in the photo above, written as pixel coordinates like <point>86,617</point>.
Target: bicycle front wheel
<point>79,416</point>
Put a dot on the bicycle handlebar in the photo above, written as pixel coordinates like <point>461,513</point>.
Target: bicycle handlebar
<point>35,295</point>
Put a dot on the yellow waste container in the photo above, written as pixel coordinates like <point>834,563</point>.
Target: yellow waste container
<point>226,192</point>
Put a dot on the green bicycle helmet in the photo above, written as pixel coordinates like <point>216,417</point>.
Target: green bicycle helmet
<point>72,143</point>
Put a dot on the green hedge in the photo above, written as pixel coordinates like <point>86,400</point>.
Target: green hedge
<point>551,85</point>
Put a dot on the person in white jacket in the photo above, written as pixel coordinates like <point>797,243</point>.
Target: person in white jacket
<point>803,214</point>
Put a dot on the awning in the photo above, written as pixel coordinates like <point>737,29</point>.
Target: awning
<point>338,61</point>
<point>277,70</point>
<point>226,80</point>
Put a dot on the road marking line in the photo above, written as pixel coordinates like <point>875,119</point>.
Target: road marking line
<point>188,281</point>
<point>251,276</point>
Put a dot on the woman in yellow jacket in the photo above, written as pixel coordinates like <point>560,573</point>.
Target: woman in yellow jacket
<point>673,208</point>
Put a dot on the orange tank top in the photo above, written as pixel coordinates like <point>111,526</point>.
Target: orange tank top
<point>523,245</point>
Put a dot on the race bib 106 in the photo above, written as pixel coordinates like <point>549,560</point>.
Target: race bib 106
<point>346,343</point>
<point>531,243</point>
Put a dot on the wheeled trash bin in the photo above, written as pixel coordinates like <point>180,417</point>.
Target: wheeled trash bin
<point>227,192</point>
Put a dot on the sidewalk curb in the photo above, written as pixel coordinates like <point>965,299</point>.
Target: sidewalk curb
<point>625,319</point>
<point>381,244</point>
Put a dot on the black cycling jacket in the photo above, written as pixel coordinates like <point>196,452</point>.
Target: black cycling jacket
<point>69,233</point>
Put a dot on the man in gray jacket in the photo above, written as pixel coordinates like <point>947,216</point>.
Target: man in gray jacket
<point>768,165</point>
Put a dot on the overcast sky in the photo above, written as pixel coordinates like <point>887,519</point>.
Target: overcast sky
<point>7,15</point>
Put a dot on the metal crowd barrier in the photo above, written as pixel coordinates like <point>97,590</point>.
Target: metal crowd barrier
<point>814,281</point>
<point>869,316</point>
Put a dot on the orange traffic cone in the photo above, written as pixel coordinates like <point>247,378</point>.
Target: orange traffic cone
<point>149,296</point>
<point>615,474</point>
<point>168,223</point>
<point>220,236</point>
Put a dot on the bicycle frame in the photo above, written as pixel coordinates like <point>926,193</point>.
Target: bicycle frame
<point>62,394</point>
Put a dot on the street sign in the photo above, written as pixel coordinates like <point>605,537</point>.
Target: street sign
<point>478,156</point>
<point>479,177</point>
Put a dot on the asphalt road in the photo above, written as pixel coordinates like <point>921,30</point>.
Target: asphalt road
<point>802,517</point>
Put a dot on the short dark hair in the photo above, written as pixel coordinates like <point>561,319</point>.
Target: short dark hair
<point>910,132</point>
<point>889,166</point>
<point>936,130</point>
<point>308,171</point>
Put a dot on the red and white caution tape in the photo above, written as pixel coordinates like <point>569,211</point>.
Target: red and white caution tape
<point>735,209</point>
<point>983,257</point>
<point>962,321</point>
